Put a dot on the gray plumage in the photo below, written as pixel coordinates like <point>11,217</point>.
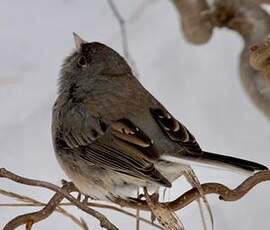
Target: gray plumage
<point>112,136</point>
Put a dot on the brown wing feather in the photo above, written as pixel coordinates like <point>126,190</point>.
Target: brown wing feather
<point>131,151</point>
<point>116,159</point>
<point>175,130</point>
<point>125,130</point>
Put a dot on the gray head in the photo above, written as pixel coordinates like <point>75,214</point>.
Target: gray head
<point>90,62</point>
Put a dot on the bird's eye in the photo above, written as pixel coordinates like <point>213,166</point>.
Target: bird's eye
<point>82,61</point>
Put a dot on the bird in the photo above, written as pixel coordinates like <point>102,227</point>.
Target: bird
<point>111,136</point>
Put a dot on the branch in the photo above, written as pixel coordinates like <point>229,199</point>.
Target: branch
<point>34,217</point>
<point>260,58</point>
<point>247,18</point>
<point>224,193</point>
<point>196,20</point>
<point>182,201</point>
<point>104,222</point>
<point>32,202</point>
<point>35,203</point>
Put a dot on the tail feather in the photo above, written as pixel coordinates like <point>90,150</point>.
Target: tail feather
<point>221,160</point>
<point>216,160</point>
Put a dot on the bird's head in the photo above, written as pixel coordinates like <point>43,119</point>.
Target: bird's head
<point>89,62</point>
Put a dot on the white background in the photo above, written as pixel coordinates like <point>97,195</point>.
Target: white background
<point>198,84</point>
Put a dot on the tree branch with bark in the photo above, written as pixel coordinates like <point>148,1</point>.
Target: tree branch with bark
<point>65,191</point>
<point>251,21</point>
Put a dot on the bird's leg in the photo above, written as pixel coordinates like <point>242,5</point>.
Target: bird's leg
<point>154,197</point>
<point>164,194</point>
<point>79,196</point>
<point>138,211</point>
<point>85,200</point>
<point>194,181</point>
<point>167,218</point>
<point>140,196</point>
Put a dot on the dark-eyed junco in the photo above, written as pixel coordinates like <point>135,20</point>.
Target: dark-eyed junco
<point>112,136</point>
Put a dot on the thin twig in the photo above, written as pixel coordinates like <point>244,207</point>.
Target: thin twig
<point>122,24</point>
<point>182,201</point>
<point>35,217</point>
<point>202,214</point>
<point>140,9</point>
<point>122,211</point>
<point>35,203</point>
<point>91,204</point>
<point>104,222</point>
<point>19,197</point>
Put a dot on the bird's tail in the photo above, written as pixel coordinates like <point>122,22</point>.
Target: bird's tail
<point>220,161</point>
<point>231,162</point>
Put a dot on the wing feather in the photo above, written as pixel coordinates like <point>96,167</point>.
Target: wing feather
<point>88,135</point>
<point>176,131</point>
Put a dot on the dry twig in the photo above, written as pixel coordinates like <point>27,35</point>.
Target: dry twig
<point>32,202</point>
<point>34,217</point>
<point>122,23</point>
<point>91,204</point>
<point>182,201</point>
<point>104,222</point>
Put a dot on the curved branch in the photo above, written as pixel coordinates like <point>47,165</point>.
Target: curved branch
<point>260,58</point>
<point>104,222</point>
<point>253,24</point>
<point>247,18</point>
<point>182,201</point>
<point>224,193</point>
<point>91,204</point>
<point>35,217</point>
<point>195,19</point>
<point>34,203</point>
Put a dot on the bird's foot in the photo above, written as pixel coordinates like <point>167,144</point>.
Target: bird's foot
<point>85,200</point>
<point>82,199</point>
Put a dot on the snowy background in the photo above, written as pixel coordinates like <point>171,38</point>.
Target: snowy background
<point>198,84</point>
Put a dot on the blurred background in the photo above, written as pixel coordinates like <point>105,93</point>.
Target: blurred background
<point>200,85</point>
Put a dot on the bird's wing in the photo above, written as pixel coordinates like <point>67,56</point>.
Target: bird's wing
<point>119,145</point>
<point>176,131</point>
<point>180,134</point>
<point>80,128</point>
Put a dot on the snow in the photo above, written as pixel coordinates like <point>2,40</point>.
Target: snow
<point>198,84</point>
